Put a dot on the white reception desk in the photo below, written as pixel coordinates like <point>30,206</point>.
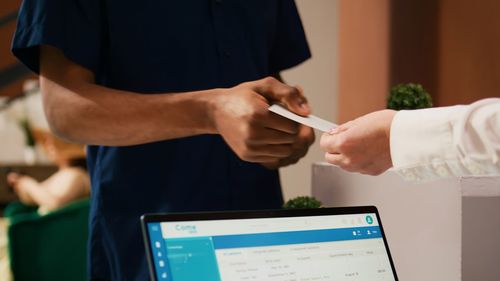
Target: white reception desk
<point>446,230</point>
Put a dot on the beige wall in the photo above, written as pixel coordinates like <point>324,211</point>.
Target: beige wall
<point>318,77</point>
<point>469,51</point>
<point>363,57</point>
<point>449,46</point>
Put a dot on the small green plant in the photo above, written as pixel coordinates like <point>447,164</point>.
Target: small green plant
<point>302,202</point>
<point>408,96</point>
<point>28,133</point>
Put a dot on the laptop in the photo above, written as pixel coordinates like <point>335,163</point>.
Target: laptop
<point>283,245</point>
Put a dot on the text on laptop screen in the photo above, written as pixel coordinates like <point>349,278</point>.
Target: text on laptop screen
<point>339,247</point>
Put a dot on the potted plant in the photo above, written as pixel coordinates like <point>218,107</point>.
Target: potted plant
<point>303,202</point>
<point>408,96</point>
<point>30,144</point>
<point>17,112</point>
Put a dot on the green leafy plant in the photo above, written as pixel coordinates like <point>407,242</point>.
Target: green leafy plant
<point>303,202</point>
<point>408,96</point>
<point>28,133</point>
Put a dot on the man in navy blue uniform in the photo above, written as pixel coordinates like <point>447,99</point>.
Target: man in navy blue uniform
<point>172,98</point>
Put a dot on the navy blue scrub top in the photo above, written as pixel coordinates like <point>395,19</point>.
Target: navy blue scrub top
<point>156,47</point>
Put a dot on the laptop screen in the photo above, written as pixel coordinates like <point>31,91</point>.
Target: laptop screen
<point>331,244</point>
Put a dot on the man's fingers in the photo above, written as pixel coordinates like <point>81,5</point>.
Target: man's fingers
<point>280,123</point>
<point>289,161</point>
<point>267,136</point>
<point>299,148</point>
<point>271,165</point>
<point>273,150</point>
<point>295,100</point>
<point>275,91</point>
<point>262,159</point>
<point>267,153</point>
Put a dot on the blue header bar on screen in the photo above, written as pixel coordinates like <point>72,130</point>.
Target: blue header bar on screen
<point>295,237</point>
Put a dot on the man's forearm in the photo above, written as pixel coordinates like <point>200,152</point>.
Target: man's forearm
<point>92,114</point>
<point>81,111</point>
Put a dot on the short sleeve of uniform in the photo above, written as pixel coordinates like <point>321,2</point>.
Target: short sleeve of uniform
<point>290,44</point>
<point>73,26</point>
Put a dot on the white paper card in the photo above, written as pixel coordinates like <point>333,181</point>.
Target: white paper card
<point>311,121</point>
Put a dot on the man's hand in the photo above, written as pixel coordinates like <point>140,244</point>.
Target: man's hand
<point>361,145</point>
<point>255,134</point>
<point>300,147</point>
<point>19,183</point>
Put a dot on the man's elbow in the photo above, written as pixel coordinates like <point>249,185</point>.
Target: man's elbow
<point>60,129</point>
<point>59,115</point>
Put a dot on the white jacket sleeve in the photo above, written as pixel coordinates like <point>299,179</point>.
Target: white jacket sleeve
<point>441,142</point>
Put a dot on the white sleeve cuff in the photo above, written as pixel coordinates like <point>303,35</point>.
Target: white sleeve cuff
<point>421,143</point>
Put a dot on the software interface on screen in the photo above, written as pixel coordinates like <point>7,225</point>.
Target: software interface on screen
<point>340,247</point>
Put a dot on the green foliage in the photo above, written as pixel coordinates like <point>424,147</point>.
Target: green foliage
<point>303,202</point>
<point>28,133</point>
<point>408,96</point>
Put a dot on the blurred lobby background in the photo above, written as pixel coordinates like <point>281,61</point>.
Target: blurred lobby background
<point>360,49</point>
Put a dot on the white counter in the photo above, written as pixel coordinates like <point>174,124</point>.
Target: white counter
<point>443,230</point>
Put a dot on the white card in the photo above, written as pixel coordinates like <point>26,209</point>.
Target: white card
<point>311,121</point>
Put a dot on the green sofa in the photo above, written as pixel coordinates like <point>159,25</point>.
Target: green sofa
<point>51,246</point>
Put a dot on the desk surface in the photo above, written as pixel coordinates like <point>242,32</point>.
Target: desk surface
<point>480,186</point>
<point>427,224</point>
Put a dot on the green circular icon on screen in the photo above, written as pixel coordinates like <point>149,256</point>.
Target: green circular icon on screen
<point>369,219</point>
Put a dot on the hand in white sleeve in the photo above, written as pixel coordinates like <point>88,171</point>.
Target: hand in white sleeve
<point>449,141</point>
<point>420,144</point>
